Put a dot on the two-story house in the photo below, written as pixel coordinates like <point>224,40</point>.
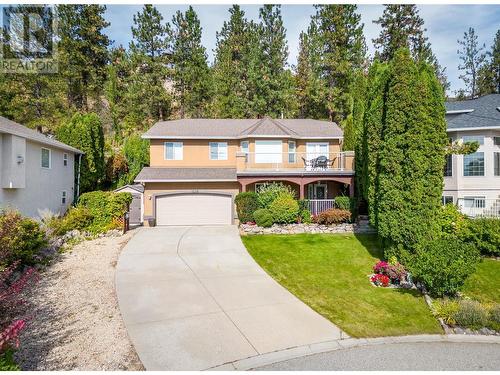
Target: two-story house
<point>473,181</point>
<point>37,173</point>
<point>197,166</point>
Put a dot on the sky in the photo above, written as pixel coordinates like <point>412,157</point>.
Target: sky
<point>445,24</point>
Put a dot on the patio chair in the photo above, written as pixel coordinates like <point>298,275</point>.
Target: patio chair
<point>321,162</point>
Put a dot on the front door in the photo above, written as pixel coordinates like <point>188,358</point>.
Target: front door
<point>317,191</point>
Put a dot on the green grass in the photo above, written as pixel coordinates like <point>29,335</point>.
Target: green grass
<point>484,284</point>
<point>330,274</point>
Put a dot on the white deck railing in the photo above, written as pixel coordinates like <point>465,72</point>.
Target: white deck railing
<point>317,206</point>
<point>307,161</point>
<point>479,207</point>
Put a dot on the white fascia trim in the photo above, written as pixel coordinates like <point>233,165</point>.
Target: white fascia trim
<point>239,137</point>
<point>472,129</point>
<point>458,111</point>
<point>195,180</point>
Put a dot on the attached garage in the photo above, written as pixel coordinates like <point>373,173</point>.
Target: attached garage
<point>200,208</point>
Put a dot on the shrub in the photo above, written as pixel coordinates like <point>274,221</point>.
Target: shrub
<point>305,216</point>
<point>494,317</point>
<point>104,206</point>
<point>270,191</point>
<point>446,310</point>
<point>333,216</point>
<point>21,238</point>
<point>443,265</point>
<point>76,218</point>
<point>484,233</point>
<point>471,314</point>
<point>396,272</point>
<point>343,202</point>
<point>7,362</point>
<point>451,221</point>
<point>380,280</point>
<point>246,204</point>
<point>284,209</point>
<point>263,218</point>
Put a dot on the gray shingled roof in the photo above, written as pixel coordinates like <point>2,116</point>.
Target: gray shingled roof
<point>485,114</point>
<point>11,127</point>
<point>159,174</point>
<point>244,128</point>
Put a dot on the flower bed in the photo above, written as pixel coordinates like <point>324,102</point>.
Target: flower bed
<point>250,228</point>
<point>391,274</point>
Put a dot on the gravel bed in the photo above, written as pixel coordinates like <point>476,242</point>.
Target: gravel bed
<point>75,322</point>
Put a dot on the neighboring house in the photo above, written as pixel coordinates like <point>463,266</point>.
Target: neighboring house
<point>37,173</point>
<point>136,208</point>
<point>197,166</point>
<point>473,181</point>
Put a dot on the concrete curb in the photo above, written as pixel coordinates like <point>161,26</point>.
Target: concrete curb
<point>327,346</point>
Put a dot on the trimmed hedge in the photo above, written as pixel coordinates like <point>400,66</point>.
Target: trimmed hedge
<point>246,204</point>
<point>284,209</point>
<point>263,218</point>
<point>484,234</point>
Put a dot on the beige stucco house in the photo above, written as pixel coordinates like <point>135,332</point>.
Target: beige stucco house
<point>473,181</point>
<point>37,173</point>
<point>198,166</point>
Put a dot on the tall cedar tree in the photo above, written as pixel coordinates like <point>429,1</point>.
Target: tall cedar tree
<point>234,60</point>
<point>489,73</point>
<point>342,48</point>
<point>272,84</point>
<point>84,131</point>
<point>190,72</point>
<point>411,155</point>
<point>472,59</point>
<point>402,27</point>
<point>83,49</point>
<point>149,55</point>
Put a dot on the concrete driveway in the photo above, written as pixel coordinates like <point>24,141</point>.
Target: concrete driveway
<point>192,298</point>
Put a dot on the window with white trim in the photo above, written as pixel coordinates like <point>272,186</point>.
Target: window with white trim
<point>292,156</point>
<point>473,138</point>
<point>474,164</point>
<point>173,151</point>
<point>46,156</point>
<point>218,150</point>
<point>244,147</point>
<point>65,159</point>
<point>496,141</point>
<point>448,167</point>
<point>63,197</point>
<point>475,202</point>
<point>447,199</point>
<point>496,163</point>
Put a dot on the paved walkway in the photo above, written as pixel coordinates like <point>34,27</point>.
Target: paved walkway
<point>192,298</point>
<point>428,356</point>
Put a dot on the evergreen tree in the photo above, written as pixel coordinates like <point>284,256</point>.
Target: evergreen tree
<point>489,73</point>
<point>472,57</point>
<point>146,94</point>
<point>83,53</point>
<point>84,131</point>
<point>233,66</point>
<point>190,72</point>
<point>408,178</point>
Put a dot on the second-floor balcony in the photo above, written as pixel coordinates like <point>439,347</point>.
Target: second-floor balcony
<point>321,162</point>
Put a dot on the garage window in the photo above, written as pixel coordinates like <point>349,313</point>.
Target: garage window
<point>173,151</point>
<point>218,150</point>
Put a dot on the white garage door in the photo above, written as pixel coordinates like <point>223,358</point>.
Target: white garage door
<point>194,209</point>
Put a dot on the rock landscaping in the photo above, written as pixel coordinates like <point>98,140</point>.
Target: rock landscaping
<point>248,229</point>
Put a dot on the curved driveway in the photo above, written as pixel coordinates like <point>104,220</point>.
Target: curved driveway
<point>192,298</point>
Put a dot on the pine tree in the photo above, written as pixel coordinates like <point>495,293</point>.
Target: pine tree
<point>472,57</point>
<point>233,66</point>
<point>489,73</point>
<point>190,72</point>
<point>83,52</point>
<point>146,94</point>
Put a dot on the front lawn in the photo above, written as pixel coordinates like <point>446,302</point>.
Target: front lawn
<point>329,273</point>
<point>484,284</point>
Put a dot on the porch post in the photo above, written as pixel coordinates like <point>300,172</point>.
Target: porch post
<point>301,189</point>
<point>243,186</point>
<point>351,188</point>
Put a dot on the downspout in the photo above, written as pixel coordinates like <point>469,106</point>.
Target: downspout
<point>78,177</point>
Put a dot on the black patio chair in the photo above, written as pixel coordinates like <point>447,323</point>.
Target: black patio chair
<point>321,162</point>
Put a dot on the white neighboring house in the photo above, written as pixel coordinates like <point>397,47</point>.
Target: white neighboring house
<point>37,173</point>
<point>473,181</point>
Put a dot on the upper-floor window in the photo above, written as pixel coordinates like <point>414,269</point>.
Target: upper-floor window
<point>244,147</point>
<point>448,167</point>
<point>46,158</point>
<point>292,146</point>
<point>218,150</point>
<point>63,197</point>
<point>473,138</point>
<point>65,159</point>
<point>496,163</point>
<point>173,151</point>
<point>474,164</point>
<point>496,141</point>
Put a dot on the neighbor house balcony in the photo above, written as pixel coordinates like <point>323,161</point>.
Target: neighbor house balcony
<point>328,163</point>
